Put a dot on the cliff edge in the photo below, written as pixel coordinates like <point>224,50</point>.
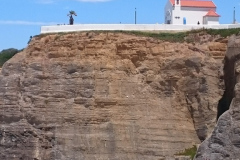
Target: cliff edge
<point>106,96</point>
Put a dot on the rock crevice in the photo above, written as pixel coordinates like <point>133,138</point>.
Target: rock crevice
<point>223,144</point>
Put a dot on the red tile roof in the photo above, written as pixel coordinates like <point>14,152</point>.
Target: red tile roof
<point>195,3</point>
<point>212,13</point>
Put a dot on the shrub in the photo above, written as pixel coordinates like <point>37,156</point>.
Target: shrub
<point>223,32</point>
<point>6,54</point>
<point>189,152</point>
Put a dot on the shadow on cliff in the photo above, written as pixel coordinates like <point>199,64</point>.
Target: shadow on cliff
<point>223,104</point>
<point>230,77</point>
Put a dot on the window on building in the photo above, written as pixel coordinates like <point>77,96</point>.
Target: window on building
<point>177,1</point>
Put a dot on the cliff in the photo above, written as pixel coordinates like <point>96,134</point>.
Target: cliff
<point>224,142</point>
<point>87,96</point>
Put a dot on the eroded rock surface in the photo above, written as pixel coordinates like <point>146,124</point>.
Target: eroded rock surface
<point>109,96</point>
<point>224,143</point>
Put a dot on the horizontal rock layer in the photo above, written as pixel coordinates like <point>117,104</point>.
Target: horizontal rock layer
<point>106,96</point>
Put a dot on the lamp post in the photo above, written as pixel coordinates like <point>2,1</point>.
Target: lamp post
<point>234,18</point>
<point>135,16</point>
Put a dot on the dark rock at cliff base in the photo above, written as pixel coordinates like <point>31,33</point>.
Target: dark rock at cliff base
<point>224,143</point>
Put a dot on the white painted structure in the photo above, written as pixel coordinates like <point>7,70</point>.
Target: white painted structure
<point>210,20</point>
<point>191,12</point>
<point>177,12</point>
<point>130,27</point>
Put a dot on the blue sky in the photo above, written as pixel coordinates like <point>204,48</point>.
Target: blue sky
<point>20,19</point>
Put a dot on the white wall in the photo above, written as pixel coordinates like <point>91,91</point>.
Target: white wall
<point>130,27</point>
<point>177,17</point>
<point>211,20</point>
<point>192,15</point>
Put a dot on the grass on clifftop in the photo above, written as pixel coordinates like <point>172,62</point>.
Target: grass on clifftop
<point>170,37</point>
<point>223,32</point>
<point>189,152</point>
<point>182,36</point>
<point>167,36</point>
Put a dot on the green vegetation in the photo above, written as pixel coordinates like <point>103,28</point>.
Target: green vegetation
<point>71,20</point>
<point>189,152</point>
<point>223,32</point>
<point>72,13</point>
<point>184,36</point>
<point>171,37</point>
<point>189,36</point>
<point>6,54</point>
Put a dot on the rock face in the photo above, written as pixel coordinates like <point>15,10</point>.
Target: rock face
<point>224,143</point>
<point>110,96</point>
<point>215,46</point>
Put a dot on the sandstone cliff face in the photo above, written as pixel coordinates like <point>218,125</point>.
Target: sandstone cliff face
<point>87,96</point>
<point>224,143</point>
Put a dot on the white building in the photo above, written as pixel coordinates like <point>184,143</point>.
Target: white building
<point>191,12</point>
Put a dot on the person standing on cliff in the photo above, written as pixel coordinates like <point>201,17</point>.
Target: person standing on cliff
<point>71,20</point>
<point>30,39</point>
